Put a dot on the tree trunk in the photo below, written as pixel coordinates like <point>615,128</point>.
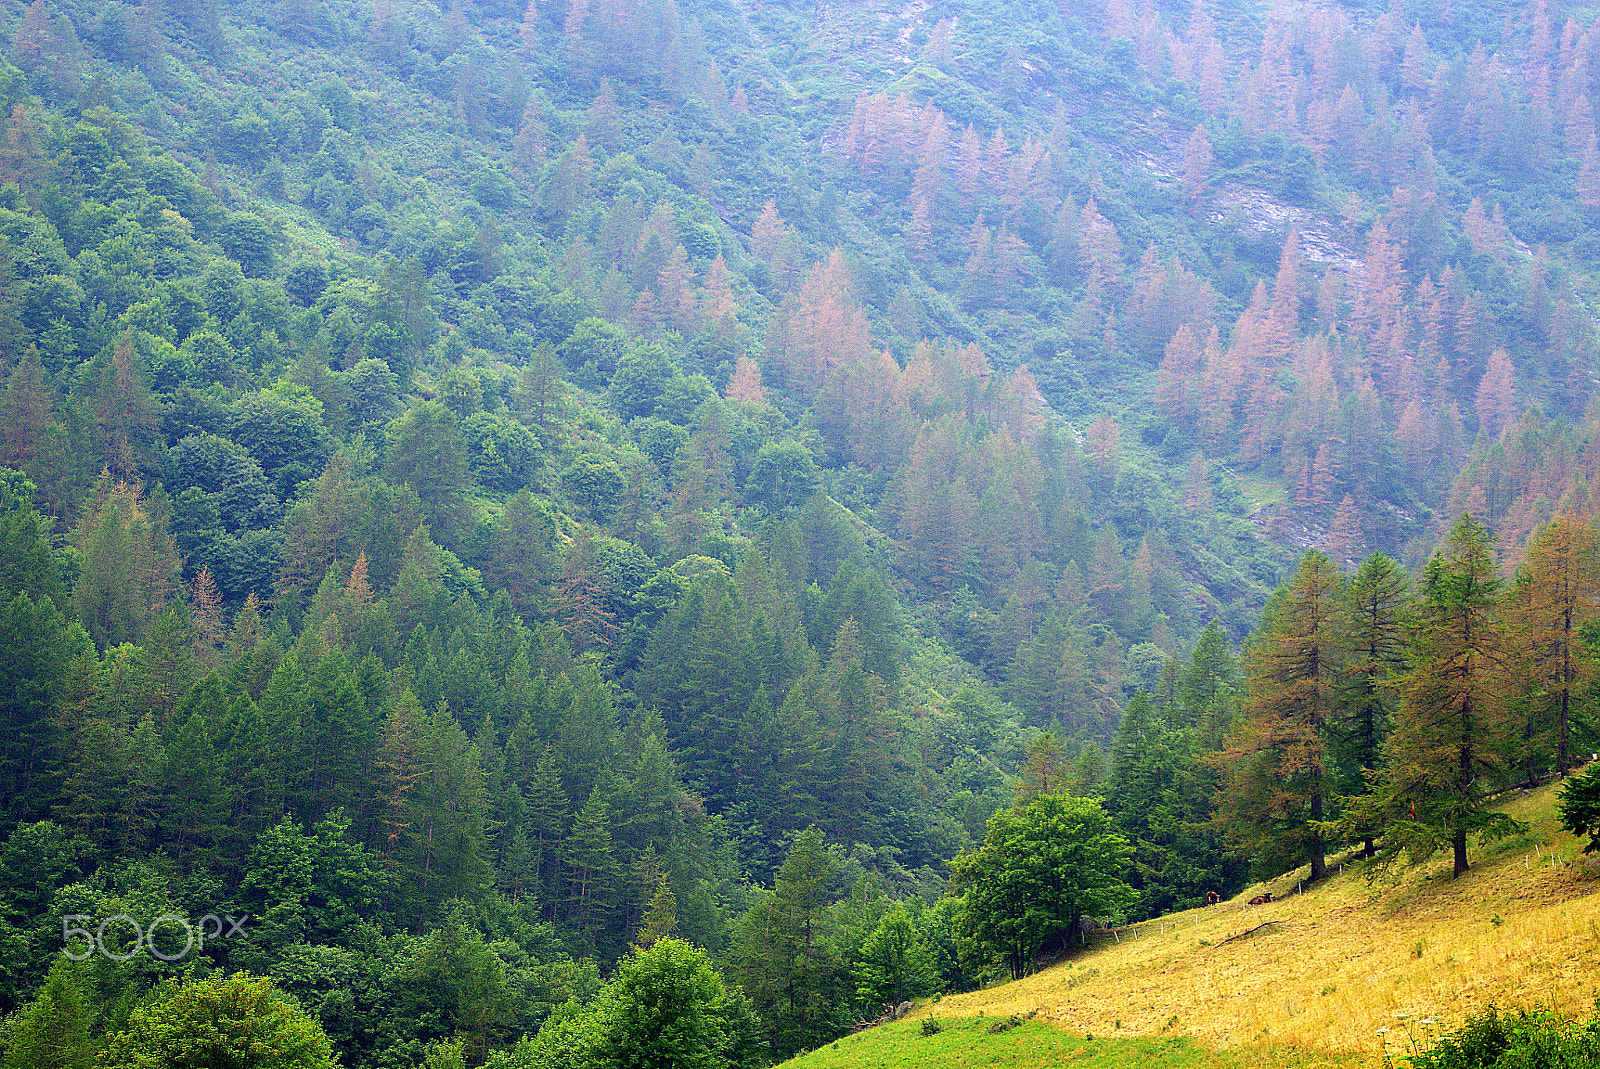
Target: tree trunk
<point>1458,840</point>
<point>1563,730</point>
<point>1319,861</point>
<point>1528,755</point>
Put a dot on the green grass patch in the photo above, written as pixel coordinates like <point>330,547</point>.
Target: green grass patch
<point>968,1043</point>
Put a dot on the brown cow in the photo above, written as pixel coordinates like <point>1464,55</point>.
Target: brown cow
<point>1261,900</point>
<point>1212,898</point>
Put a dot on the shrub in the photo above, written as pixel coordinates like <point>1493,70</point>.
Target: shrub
<point>1493,1040</point>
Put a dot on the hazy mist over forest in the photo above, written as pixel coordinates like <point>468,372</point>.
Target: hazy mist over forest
<point>635,532</point>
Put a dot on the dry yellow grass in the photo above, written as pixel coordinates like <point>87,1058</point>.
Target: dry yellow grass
<point>1345,959</point>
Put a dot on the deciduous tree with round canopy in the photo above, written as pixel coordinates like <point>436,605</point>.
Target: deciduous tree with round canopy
<point>594,482</point>
<point>783,475</point>
<point>1043,867</point>
<point>238,1021</point>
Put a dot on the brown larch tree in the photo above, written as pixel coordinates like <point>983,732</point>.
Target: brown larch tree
<point>1414,68</point>
<point>675,291</point>
<point>1103,442</point>
<point>1557,594</point>
<point>528,29</point>
<point>919,232</point>
<point>969,167</point>
<point>205,617</point>
<point>1345,537</point>
<point>717,304</point>
<point>124,411</point>
<point>1497,395</point>
<point>929,181</point>
<point>1589,177</point>
<point>605,120</point>
<point>1475,225</point>
<point>580,599</point>
<point>569,187</point>
<point>572,30</point>
<point>1178,376</point>
<point>995,159</point>
<point>745,383</point>
<point>1275,774</point>
<point>1197,164</point>
<point>939,49</point>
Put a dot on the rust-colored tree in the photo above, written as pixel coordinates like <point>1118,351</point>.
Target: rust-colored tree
<point>1276,779</point>
<point>205,617</point>
<point>532,143</point>
<point>745,384</point>
<point>675,290</point>
<point>1479,230</point>
<point>124,411</point>
<point>1497,395</point>
<point>1178,376</point>
<point>717,304</point>
<point>1589,177</point>
<point>605,118</point>
<point>1103,442</point>
<point>1557,594</point>
<point>580,599</point>
<point>919,231</point>
<point>929,181</point>
<point>940,48</point>
<point>1414,67</point>
<point>1345,537</point>
<point>820,328</point>
<point>569,186</point>
<point>1197,164</point>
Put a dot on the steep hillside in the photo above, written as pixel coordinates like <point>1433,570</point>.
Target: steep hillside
<point>1365,207</point>
<point>1351,965</point>
<point>568,472</point>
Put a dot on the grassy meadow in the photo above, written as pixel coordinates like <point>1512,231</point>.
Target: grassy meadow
<point>967,1043</point>
<point>1345,973</point>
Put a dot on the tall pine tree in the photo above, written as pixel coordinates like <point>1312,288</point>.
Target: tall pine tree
<point>1373,628</point>
<point>1276,779</point>
<point>1557,594</point>
<point>1456,732</point>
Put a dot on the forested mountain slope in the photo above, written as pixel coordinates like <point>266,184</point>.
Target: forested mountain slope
<point>483,482</point>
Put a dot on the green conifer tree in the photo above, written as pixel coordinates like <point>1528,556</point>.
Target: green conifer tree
<point>27,565</point>
<point>1456,733</point>
<point>428,454</point>
<point>785,955</point>
<point>1372,634</point>
<point>54,1031</point>
<point>660,916</point>
<point>37,649</point>
<point>591,869</point>
<point>194,803</point>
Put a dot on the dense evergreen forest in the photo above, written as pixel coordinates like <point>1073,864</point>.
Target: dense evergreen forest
<point>527,505</point>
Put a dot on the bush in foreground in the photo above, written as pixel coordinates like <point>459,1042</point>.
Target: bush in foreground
<point>1495,1040</point>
